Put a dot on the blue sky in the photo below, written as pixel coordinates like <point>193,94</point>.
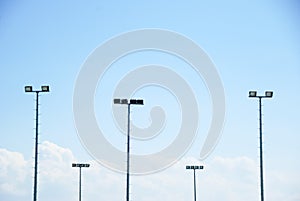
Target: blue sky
<point>253,44</point>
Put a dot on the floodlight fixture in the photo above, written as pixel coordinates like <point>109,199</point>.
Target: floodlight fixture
<point>117,101</point>
<point>129,101</point>
<point>137,101</point>
<point>28,88</point>
<point>45,89</point>
<point>194,167</point>
<point>269,94</point>
<point>80,165</point>
<point>252,94</point>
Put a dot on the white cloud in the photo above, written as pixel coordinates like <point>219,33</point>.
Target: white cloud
<point>231,179</point>
<point>222,179</point>
<point>226,179</point>
<point>14,175</point>
<point>56,176</point>
<point>282,185</point>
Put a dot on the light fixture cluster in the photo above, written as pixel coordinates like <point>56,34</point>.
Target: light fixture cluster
<point>80,165</point>
<point>130,101</point>
<point>43,89</point>
<point>253,94</point>
<point>194,167</point>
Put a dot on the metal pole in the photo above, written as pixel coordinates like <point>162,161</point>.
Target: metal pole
<point>79,183</point>
<point>36,147</point>
<point>128,150</point>
<point>195,184</point>
<point>261,152</point>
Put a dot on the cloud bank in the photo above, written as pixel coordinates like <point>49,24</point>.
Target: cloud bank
<point>226,179</point>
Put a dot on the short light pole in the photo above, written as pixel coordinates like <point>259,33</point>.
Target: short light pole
<point>80,165</point>
<point>194,167</point>
<point>268,94</point>
<point>128,103</point>
<point>27,90</point>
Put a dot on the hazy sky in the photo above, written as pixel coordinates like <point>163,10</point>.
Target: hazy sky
<point>254,46</point>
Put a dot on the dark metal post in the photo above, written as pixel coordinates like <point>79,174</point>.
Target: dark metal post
<point>80,165</point>
<point>128,150</point>
<point>36,147</point>
<point>128,103</point>
<point>194,168</point>
<point>268,94</point>
<point>195,184</point>
<point>79,183</point>
<point>261,152</point>
<point>43,89</point>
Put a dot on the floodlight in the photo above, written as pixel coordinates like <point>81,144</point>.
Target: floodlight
<point>120,101</point>
<point>140,102</point>
<point>80,165</point>
<point>137,101</point>
<point>252,93</point>
<point>117,101</point>
<point>269,94</point>
<point>124,101</point>
<point>45,88</point>
<point>194,167</point>
<point>28,88</point>
<point>132,101</point>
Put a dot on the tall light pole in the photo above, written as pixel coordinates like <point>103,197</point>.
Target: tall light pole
<point>194,167</point>
<point>128,103</point>
<point>27,90</point>
<point>80,165</point>
<point>268,94</point>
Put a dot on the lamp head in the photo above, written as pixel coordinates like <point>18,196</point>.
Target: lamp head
<point>252,94</point>
<point>269,94</point>
<point>80,165</point>
<point>137,101</point>
<point>120,101</point>
<point>194,167</point>
<point>117,101</point>
<point>124,101</point>
<point>28,88</point>
<point>45,88</point>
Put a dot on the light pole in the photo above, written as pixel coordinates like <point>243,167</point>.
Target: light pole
<point>194,167</point>
<point>80,165</point>
<point>128,103</point>
<point>27,90</point>
<point>268,94</point>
